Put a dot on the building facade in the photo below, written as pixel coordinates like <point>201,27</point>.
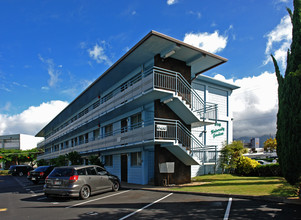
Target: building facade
<point>150,109</point>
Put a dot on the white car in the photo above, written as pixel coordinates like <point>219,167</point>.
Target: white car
<point>263,162</point>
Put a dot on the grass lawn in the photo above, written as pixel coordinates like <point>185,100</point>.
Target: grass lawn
<point>240,185</point>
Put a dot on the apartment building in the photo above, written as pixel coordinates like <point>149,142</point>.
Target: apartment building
<point>150,113</point>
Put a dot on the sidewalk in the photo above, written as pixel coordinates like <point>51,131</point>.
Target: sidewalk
<point>294,201</point>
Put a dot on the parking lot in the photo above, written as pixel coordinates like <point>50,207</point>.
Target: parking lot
<point>20,199</point>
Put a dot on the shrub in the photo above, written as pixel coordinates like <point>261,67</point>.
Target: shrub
<point>3,172</point>
<point>268,170</point>
<point>246,165</point>
<point>42,162</point>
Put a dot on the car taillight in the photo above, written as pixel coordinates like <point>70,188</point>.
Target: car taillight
<point>73,178</point>
<point>41,173</point>
<point>28,174</point>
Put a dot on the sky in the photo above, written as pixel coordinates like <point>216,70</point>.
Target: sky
<point>50,51</point>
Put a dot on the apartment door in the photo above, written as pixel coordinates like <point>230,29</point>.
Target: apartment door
<point>124,167</point>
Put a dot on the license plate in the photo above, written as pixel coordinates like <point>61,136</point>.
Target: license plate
<point>33,178</point>
<point>57,182</point>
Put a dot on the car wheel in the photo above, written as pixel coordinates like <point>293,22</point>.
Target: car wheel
<point>115,186</point>
<point>84,192</point>
<point>21,173</point>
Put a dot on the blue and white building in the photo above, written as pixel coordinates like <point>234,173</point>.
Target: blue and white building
<point>149,109</point>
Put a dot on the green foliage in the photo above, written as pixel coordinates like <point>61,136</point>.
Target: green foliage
<point>289,101</point>
<point>232,184</point>
<point>268,170</point>
<point>230,154</point>
<point>19,156</point>
<point>95,160</point>
<point>270,144</point>
<point>61,161</point>
<point>246,165</point>
<point>42,162</point>
<point>4,172</point>
<point>74,157</point>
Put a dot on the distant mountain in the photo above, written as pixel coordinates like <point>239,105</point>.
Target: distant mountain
<point>262,139</point>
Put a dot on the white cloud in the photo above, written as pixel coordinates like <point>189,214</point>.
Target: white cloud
<point>7,107</point>
<point>254,105</point>
<point>32,120</point>
<point>98,54</point>
<point>211,42</point>
<point>171,2</point>
<point>52,71</point>
<point>196,13</point>
<point>279,40</point>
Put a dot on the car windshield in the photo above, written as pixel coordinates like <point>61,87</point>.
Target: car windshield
<point>12,167</point>
<point>62,172</point>
<point>41,169</point>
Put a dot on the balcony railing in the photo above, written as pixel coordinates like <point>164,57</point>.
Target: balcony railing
<point>153,78</point>
<point>157,130</point>
<point>174,130</point>
<point>174,81</point>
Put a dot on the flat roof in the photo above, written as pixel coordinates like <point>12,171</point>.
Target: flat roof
<point>217,82</point>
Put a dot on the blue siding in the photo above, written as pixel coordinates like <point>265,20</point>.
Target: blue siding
<point>115,169</point>
<point>136,174</point>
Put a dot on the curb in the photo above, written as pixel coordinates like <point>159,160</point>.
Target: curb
<point>258,198</point>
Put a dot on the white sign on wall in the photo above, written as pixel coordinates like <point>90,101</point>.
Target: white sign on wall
<point>161,127</point>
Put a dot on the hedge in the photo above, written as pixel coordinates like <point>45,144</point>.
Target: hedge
<point>268,170</point>
<point>3,172</point>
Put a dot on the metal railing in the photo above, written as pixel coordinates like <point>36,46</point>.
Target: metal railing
<point>174,130</point>
<point>162,79</point>
<point>174,81</point>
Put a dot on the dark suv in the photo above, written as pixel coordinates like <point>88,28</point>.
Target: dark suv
<point>39,173</point>
<point>80,181</point>
<point>19,170</point>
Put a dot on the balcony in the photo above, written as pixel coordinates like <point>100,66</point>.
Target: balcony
<point>171,134</point>
<point>156,83</point>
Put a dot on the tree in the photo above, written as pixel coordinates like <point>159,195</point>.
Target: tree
<point>19,156</point>
<point>74,157</point>
<point>60,161</point>
<point>230,154</point>
<point>289,101</point>
<point>42,162</point>
<point>93,159</point>
<point>270,144</point>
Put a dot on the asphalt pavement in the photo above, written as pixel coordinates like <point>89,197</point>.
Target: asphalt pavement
<point>20,199</point>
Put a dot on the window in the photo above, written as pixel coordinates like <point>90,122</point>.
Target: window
<point>136,159</point>
<point>109,130</point>
<point>91,171</point>
<point>109,160</point>
<point>136,121</point>
<point>101,171</point>
<point>81,172</point>
<point>124,125</point>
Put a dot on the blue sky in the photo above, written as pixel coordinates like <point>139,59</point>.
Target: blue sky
<point>50,51</point>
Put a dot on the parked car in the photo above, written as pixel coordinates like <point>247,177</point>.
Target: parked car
<point>80,181</point>
<point>263,162</point>
<point>40,173</point>
<point>19,170</point>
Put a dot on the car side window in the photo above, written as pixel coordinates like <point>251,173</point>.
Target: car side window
<point>81,172</point>
<point>100,171</point>
<point>91,171</point>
